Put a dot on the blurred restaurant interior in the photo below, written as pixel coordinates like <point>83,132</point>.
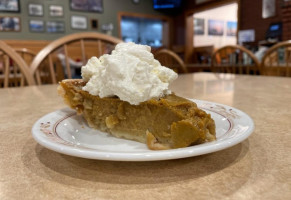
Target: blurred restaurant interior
<point>203,35</point>
<point>233,59</point>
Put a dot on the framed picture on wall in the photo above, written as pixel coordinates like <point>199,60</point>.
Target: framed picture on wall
<point>55,27</point>
<point>215,27</point>
<point>35,9</point>
<point>56,11</point>
<point>199,26</point>
<point>246,36</point>
<point>36,26</point>
<point>9,6</point>
<point>269,8</point>
<point>87,5</point>
<point>231,28</point>
<point>107,28</point>
<point>9,23</point>
<point>79,22</point>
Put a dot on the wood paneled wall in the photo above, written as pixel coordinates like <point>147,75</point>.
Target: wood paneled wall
<point>33,45</point>
<point>74,50</point>
<point>286,20</point>
<point>251,17</point>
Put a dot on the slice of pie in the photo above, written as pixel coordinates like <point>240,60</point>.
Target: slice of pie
<point>166,123</point>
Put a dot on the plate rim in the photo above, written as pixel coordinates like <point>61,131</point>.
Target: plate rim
<point>153,155</point>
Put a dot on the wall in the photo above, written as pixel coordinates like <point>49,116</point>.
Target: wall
<point>251,17</point>
<point>224,13</point>
<point>286,15</point>
<point>109,15</point>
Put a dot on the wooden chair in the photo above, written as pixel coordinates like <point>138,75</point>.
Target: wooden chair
<point>202,55</point>
<point>170,59</point>
<point>26,54</point>
<point>13,69</point>
<point>86,44</point>
<point>277,60</point>
<point>234,59</point>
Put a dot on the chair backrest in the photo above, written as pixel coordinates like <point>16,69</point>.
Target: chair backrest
<point>13,69</point>
<point>170,59</point>
<point>277,60</point>
<point>44,66</point>
<point>26,54</point>
<point>234,59</point>
<point>203,54</point>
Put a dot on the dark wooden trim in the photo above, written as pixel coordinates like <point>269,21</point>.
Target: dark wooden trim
<point>238,19</point>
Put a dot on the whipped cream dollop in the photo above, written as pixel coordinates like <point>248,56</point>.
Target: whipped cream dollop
<point>129,72</point>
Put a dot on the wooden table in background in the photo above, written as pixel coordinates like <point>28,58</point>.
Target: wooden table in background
<point>258,168</point>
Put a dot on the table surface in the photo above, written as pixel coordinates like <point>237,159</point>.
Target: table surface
<point>257,168</point>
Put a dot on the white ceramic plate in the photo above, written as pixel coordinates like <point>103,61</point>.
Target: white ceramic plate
<point>66,132</point>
